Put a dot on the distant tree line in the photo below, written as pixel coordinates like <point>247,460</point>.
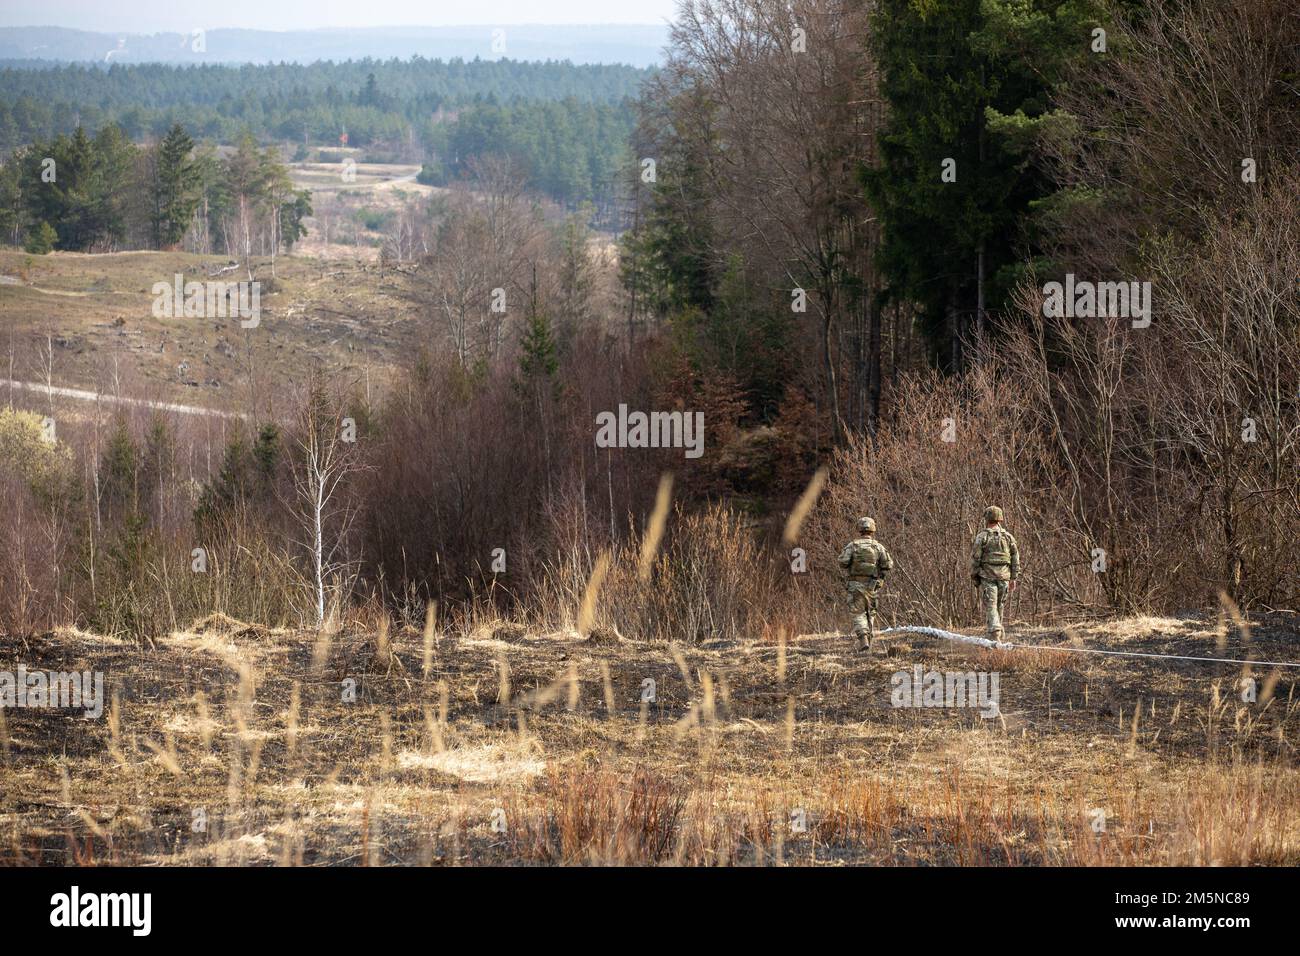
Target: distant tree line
<point>570,150</point>
<point>566,122</point>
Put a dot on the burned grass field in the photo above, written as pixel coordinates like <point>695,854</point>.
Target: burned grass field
<point>231,744</point>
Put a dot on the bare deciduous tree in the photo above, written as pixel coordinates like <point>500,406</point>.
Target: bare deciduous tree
<point>325,458</point>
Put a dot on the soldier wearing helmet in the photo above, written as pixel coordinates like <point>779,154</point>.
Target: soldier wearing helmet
<point>995,565</point>
<point>865,562</point>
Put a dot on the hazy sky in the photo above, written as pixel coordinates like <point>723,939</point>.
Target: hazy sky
<point>155,16</point>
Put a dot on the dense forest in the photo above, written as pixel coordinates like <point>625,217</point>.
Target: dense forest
<point>572,151</point>
<point>567,123</point>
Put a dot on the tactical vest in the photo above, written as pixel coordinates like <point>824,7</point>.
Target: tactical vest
<point>863,562</point>
<point>996,551</point>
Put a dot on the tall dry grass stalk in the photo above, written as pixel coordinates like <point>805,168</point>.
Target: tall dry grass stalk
<point>803,507</point>
<point>654,532</point>
<point>591,594</point>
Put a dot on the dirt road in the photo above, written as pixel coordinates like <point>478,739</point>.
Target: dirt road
<point>85,395</point>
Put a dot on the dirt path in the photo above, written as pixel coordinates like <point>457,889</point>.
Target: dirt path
<point>84,395</point>
<point>14,280</point>
<point>354,186</point>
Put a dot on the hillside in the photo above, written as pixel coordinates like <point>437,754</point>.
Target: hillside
<point>97,309</point>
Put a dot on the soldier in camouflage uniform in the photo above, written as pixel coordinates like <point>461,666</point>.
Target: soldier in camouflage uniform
<point>994,567</point>
<point>865,562</point>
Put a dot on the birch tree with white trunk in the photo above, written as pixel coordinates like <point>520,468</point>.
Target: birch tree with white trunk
<point>322,464</point>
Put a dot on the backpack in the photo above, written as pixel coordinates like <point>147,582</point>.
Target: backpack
<point>996,550</point>
<point>863,562</point>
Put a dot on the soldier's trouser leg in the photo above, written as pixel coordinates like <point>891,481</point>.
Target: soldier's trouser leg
<point>871,609</point>
<point>993,595</point>
<point>860,607</point>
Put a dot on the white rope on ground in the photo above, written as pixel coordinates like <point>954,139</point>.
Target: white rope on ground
<point>946,635</point>
<point>1008,645</point>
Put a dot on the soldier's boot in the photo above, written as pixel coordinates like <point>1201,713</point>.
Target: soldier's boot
<point>864,643</point>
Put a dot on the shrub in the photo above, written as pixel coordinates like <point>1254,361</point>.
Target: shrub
<point>710,581</point>
<point>42,240</point>
<point>38,484</point>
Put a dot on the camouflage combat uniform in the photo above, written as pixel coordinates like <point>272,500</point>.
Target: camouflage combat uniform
<point>865,562</point>
<point>995,562</point>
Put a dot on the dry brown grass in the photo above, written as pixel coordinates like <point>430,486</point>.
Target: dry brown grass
<point>98,310</point>
<point>541,750</point>
<point>709,580</point>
